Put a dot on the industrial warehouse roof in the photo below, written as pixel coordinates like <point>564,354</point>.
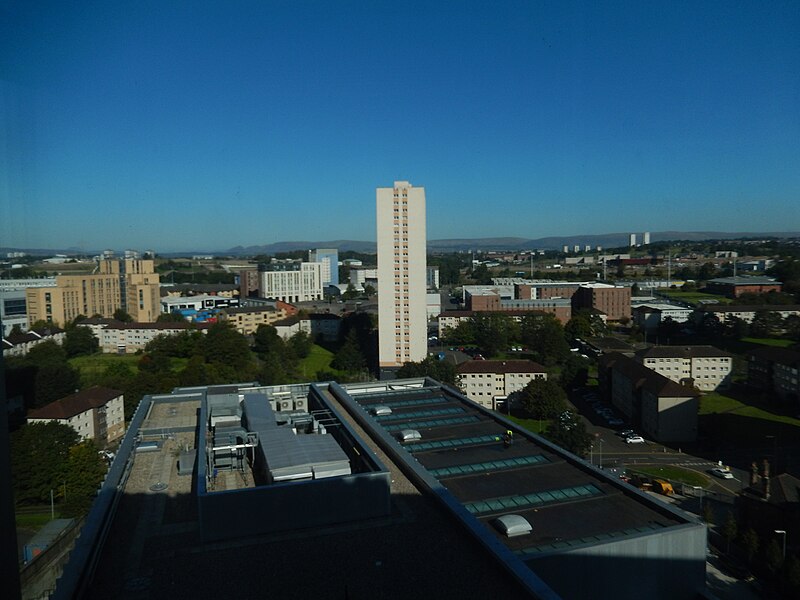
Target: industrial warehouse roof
<point>462,454</point>
<point>154,547</point>
<point>745,281</point>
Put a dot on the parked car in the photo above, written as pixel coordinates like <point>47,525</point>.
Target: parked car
<point>634,439</point>
<point>722,473</point>
<point>615,421</point>
<point>626,432</point>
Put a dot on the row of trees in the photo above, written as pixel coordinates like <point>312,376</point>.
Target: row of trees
<point>543,335</point>
<point>49,458</point>
<point>763,554</point>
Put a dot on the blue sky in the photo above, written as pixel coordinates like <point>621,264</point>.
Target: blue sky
<point>205,125</point>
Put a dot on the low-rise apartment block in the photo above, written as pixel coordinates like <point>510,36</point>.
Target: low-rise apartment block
<point>745,313</point>
<point>705,367</point>
<point>247,319</point>
<point>129,338</point>
<point>650,316</point>
<point>665,411</point>
<point>20,344</point>
<point>97,413</point>
<point>775,370</point>
<point>488,382</point>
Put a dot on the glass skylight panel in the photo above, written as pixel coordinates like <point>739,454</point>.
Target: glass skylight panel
<point>432,423</point>
<point>453,443</point>
<point>532,499</point>
<point>420,414</point>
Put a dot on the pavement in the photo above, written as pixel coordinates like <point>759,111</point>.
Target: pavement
<point>723,585</point>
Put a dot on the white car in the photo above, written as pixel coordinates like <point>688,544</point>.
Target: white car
<point>634,439</point>
<point>722,473</point>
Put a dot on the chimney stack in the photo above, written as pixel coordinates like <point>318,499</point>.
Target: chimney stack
<point>754,476</point>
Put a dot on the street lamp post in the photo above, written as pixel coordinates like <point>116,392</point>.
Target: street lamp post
<point>782,532</point>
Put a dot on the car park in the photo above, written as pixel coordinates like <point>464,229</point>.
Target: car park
<point>634,439</point>
<point>722,473</point>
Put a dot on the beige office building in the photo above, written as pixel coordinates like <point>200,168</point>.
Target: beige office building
<point>402,265</point>
<point>130,284</point>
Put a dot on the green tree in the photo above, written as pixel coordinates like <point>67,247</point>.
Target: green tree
<point>750,543</point>
<point>569,432</point>
<point>349,357</point>
<point>55,381</point>
<point>766,324</point>
<point>493,332</point>
<point>84,470</point>
<point>46,353</point>
<point>122,315</point>
<point>481,275</point>
<point>730,529</point>
<point>301,344</point>
<point>266,340</point>
<point>579,326</point>
<point>80,341</point>
<point>544,335</point>
<point>39,455</point>
<point>773,556</point>
<point>228,349</point>
<point>542,399</point>
<point>170,317</point>
<point>350,293</point>
<point>440,370</point>
<point>117,375</point>
<point>575,371</point>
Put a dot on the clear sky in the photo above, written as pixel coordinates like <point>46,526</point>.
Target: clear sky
<point>205,125</point>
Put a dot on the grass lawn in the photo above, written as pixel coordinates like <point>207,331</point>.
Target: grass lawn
<point>319,359</point>
<point>675,474</point>
<point>769,342</point>
<point>34,517</point>
<point>719,403</point>
<point>693,297</point>
<point>92,366</point>
<point>532,425</point>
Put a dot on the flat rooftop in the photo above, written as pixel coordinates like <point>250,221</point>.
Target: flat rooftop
<point>154,546</point>
<point>462,447</point>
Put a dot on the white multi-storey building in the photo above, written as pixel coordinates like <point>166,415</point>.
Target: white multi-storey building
<point>402,261</point>
<point>329,258</point>
<point>488,382</point>
<point>298,283</point>
<point>707,368</point>
<point>97,413</point>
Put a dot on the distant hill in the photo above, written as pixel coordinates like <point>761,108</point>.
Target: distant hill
<point>606,240</point>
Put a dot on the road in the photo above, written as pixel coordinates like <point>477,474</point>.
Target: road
<point>611,451</point>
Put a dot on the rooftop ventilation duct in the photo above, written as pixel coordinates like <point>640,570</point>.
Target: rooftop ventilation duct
<point>380,411</point>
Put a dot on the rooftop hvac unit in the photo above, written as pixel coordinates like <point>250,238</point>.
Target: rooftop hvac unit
<point>381,410</point>
<point>301,404</point>
<point>409,435</point>
<point>512,525</point>
<point>285,405</point>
